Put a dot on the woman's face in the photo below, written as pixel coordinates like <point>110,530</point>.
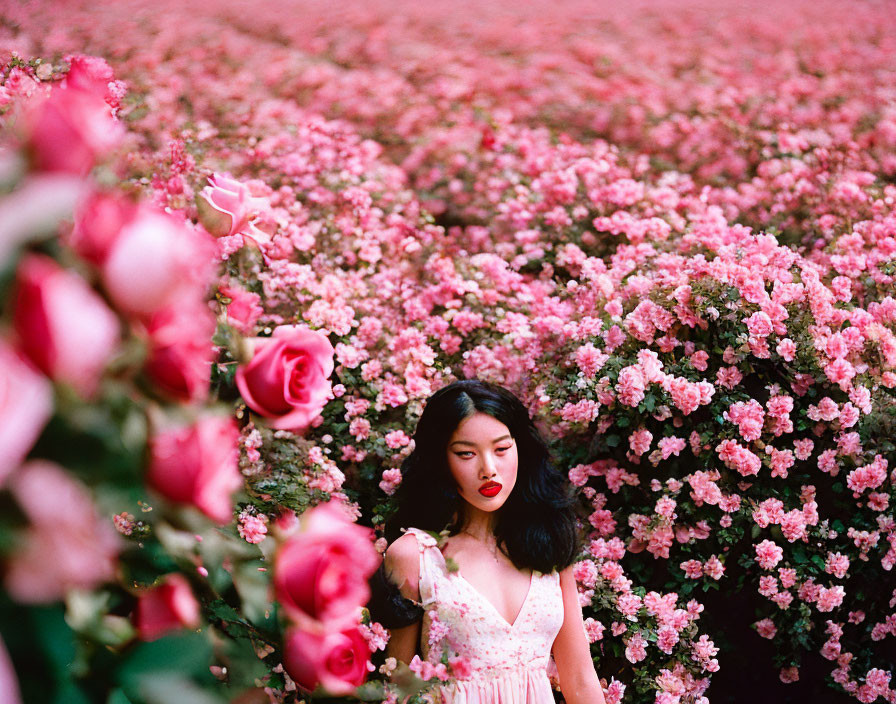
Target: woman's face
<point>482,458</point>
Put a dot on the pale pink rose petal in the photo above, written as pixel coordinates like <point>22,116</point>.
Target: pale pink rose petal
<point>26,402</point>
<point>9,685</point>
<point>61,549</point>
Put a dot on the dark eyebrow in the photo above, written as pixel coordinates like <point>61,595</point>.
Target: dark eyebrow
<point>473,444</point>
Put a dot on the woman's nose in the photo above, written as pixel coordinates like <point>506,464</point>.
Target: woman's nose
<point>487,469</point>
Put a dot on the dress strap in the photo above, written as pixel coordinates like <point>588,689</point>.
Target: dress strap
<point>430,557</point>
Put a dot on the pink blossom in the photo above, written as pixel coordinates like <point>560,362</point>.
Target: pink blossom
<point>631,385</point>
<point>635,648</point>
<point>768,554</point>
<point>837,564</point>
<point>639,441</point>
<point>830,599</point>
<point>789,674</point>
<point>787,349</point>
<point>390,481</point>
<point>748,416</point>
<point>737,457</point>
<point>766,628</point>
<point>729,377</point>
<point>869,476</point>
<point>252,528</point>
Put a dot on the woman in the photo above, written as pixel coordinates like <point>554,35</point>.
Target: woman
<point>498,596</point>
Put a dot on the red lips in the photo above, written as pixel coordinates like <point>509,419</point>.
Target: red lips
<point>490,489</point>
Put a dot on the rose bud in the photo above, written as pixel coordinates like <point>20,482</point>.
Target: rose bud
<point>168,606</point>
<point>197,465</point>
<point>321,570</point>
<point>287,380</point>
<point>26,402</point>
<point>335,661</point>
<point>226,206</point>
<point>63,326</point>
<point>180,350</point>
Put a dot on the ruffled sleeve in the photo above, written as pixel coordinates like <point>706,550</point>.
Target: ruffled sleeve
<point>388,606</point>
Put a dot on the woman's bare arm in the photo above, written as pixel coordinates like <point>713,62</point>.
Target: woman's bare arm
<point>403,569</point>
<point>572,653</point>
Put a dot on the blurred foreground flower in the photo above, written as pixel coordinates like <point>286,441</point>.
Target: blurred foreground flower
<point>26,402</point>
<point>197,464</point>
<point>321,570</point>
<point>335,661</point>
<point>165,607</point>
<point>66,545</point>
<point>72,126</point>
<point>64,327</point>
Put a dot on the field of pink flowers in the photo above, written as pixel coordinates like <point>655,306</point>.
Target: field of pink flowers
<point>241,243</point>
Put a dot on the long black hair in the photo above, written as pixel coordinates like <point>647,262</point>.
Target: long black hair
<point>535,527</point>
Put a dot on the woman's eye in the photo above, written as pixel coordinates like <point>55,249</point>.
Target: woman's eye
<point>465,455</point>
<point>504,449</point>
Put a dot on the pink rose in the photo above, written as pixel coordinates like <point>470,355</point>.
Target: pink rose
<point>226,206</point>
<point>180,350</point>
<point>197,464</point>
<point>61,549</point>
<point>98,221</point>
<point>165,607</point>
<point>63,326</point>
<point>335,661</point>
<point>288,378</point>
<point>26,402</point>
<point>155,262</point>
<point>71,128</point>
<point>321,570</point>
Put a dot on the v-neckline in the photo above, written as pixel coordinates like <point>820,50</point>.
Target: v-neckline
<point>483,598</point>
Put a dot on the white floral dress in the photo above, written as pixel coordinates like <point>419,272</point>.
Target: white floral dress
<point>507,662</point>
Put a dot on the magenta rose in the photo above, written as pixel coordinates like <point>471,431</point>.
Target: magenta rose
<point>226,206</point>
<point>67,544</point>
<point>335,661</point>
<point>287,380</point>
<point>197,465</point>
<point>63,326</point>
<point>26,402</point>
<point>321,570</point>
<point>155,262</point>
<point>180,350</point>
<point>167,606</point>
